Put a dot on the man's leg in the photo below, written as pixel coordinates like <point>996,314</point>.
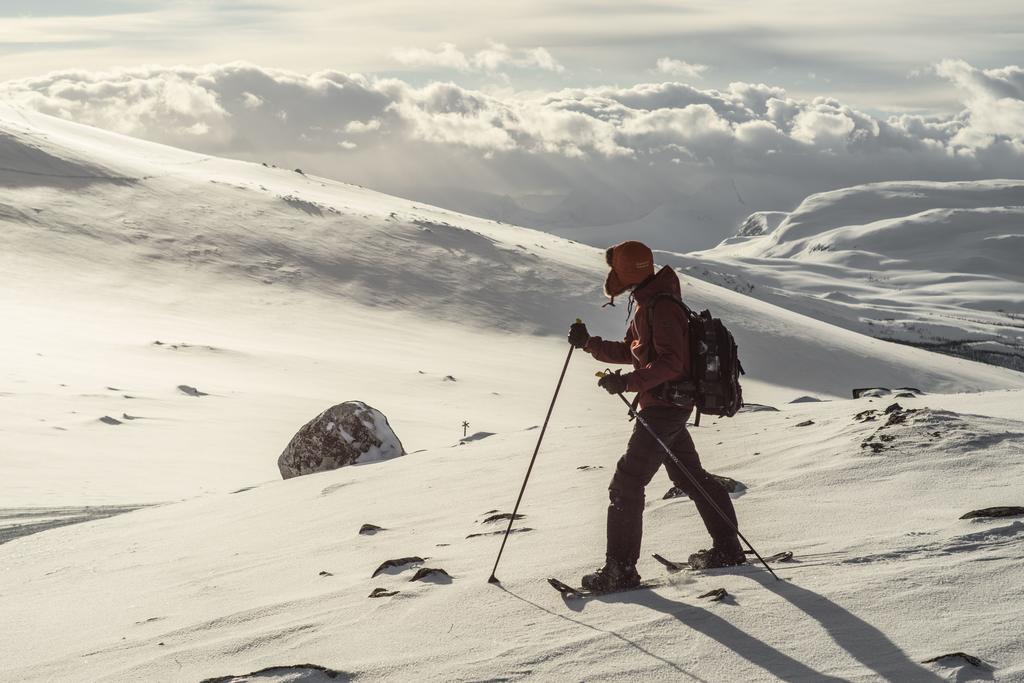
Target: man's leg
<point>633,472</point>
<point>722,534</point>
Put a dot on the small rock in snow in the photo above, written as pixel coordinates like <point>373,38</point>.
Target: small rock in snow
<point>190,391</point>
<point>399,564</point>
<point>107,420</point>
<point>501,516</point>
<point>435,574</point>
<point>382,593</point>
<point>1004,511</point>
<point>758,408</point>
<point>499,532</point>
<point>309,673</point>
<point>871,392</point>
<point>326,573</point>
<point>449,378</point>
<point>805,423</point>
<point>370,529</point>
<point>970,659</point>
<point>716,595</point>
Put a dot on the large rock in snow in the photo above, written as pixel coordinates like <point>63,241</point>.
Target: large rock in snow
<point>344,434</point>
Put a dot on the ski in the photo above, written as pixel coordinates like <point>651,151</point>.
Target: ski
<point>784,556</point>
<point>670,565</point>
<point>574,593</point>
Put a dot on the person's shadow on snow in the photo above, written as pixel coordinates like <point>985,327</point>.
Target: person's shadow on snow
<point>865,643</point>
<point>757,652</point>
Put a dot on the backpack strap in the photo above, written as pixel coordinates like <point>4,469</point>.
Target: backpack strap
<point>666,295</point>
<point>690,315</point>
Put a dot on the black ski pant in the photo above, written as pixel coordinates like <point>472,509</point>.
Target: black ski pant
<point>637,467</point>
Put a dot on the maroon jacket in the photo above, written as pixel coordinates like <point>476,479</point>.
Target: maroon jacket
<point>669,338</point>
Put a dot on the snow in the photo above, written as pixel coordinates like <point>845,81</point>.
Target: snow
<point>929,263</point>
<point>276,311</point>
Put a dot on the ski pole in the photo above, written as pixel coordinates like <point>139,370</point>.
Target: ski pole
<point>634,413</point>
<point>512,518</point>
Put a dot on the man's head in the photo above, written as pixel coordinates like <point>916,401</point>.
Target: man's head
<point>631,263</point>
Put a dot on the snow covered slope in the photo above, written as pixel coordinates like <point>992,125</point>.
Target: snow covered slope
<point>885,574</point>
<point>208,308</point>
<point>939,265</point>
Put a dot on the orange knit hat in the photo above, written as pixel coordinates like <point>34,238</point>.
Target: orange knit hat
<point>631,263</point>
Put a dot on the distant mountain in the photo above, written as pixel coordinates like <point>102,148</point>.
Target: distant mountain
<point>936,265</point>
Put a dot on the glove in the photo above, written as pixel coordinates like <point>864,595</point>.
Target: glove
<point>613,382</point>
<point>578,335</point>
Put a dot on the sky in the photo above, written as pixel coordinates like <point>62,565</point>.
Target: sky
<point>672,120</point>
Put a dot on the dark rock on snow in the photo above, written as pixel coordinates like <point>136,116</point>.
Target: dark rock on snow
<point>805,423</point>
<point>107,420</point>
<point>970,659</point>
<point>499,532</point>
<point>343,434</point>
<point>878,392</point>
<point>880,441</point>
<point>500,516</point>
<point>309,673</point>
<point>716,594</point>
<point>434,573</point>
<point>1005,511</point>
<point>866,416</point>
<point>190,391</point>
<point>382,593</point>
<point>370,529</point>
<point>757,408</point>
<point>398,564</point>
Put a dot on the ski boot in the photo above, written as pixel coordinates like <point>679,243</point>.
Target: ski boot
<point>613,576</point>
<point>726,555</point>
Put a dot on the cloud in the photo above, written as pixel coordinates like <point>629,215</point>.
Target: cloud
<point>994,98</point>
<point>362,126</point>
<point>447,56</point>
<point>668,158</point>
<point>678,67</point>
<point>491,59</point>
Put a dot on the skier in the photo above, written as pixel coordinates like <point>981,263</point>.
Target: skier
<point>657,346</point>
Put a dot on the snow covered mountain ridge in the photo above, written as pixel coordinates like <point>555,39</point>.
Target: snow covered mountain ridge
<point>936,265</point>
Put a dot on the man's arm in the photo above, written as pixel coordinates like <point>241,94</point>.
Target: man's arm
<point>618,352</point>
<point>671,342</point>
